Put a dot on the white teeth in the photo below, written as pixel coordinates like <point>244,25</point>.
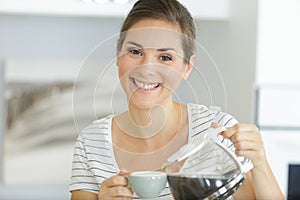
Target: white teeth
<point>145,86</point>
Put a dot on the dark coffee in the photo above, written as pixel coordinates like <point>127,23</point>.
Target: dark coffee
<point>195,188</point>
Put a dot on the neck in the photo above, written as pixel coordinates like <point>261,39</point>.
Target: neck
<point>146,116</point>
<point>146,123</point>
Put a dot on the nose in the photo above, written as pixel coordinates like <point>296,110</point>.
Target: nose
<point>148,64</point>
<point>149,57</point>
<point>147,70</point>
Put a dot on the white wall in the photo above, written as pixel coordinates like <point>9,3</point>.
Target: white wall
<point>277,79</point>
<point>278,42</point>
<point>232,44</point>
<point>43,37</point>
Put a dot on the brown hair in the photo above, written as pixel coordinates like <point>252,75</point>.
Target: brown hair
<point>168,10</point>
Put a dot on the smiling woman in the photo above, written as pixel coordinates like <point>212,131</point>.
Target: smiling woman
<point>52,33</point>
<point>155,53</point>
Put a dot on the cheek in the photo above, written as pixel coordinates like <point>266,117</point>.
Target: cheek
<point>173,82</point>
<point>172,78</point>
<point>181,70</point>
<point>123,65</point>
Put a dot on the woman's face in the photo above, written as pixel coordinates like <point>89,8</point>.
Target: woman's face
<point>151,64</point>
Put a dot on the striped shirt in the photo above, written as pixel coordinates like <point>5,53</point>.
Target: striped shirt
<point>93,158</point>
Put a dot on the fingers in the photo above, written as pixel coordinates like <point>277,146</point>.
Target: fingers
<point>123,172</point>
<point>120,191</point>
<point>115,181</point>
<point>246,145</point>
<point>247,141</point>
<point>238,137</point>
<point>239,128</point>
<point>248,149</point>
<point>115,187</point>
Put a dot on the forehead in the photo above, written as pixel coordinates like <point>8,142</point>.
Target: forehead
<point>152,33</point>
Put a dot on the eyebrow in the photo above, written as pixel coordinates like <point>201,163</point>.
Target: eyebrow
<point>167,49</point>
<point>136,44</point>
<point>161,49</point>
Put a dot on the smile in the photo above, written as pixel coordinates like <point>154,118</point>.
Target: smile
<point>145,86</point>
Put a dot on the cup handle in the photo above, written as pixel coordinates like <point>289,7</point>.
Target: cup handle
<point>128,182</point>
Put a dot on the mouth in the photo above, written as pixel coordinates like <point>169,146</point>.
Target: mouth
<point>145,86</point>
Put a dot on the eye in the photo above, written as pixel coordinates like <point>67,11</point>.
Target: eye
<point>135,51</point>
<point>165,58</point>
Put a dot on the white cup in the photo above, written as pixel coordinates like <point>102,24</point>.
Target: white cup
<point>147,184</point>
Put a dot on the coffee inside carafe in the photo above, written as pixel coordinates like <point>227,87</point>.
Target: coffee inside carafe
<point>195,187</point>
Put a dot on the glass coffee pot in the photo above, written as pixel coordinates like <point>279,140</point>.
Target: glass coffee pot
<point>205,169</point>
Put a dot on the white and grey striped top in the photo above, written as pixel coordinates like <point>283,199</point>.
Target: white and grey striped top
<point>94,161</point>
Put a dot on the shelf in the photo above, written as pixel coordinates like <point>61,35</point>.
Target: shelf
<point>200,9</point>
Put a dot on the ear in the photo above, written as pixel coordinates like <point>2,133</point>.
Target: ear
<point>189,67</point>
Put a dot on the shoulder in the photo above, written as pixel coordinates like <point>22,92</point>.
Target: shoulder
<point>98,127</point>
<point>93,159</point>
<point>209,114</point>
<point>223,118</point>
<point>96,132</point>
<point>200,118</point>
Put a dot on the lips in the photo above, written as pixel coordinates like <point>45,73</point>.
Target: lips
<point>145,86</point>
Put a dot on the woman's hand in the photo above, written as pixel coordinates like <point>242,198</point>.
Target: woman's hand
<point>115,188</point>
<point>248,143</point>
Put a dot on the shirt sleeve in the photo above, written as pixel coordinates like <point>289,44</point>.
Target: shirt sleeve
<point>82,177</point>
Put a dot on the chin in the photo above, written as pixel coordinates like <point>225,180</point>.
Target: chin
<point>142,104</point>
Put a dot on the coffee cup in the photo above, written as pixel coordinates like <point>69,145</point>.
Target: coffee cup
<point>147,184</point>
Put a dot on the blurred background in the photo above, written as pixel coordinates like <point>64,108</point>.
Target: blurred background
<point>45,44</point>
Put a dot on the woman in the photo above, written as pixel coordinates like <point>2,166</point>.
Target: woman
<point>155,52</point>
